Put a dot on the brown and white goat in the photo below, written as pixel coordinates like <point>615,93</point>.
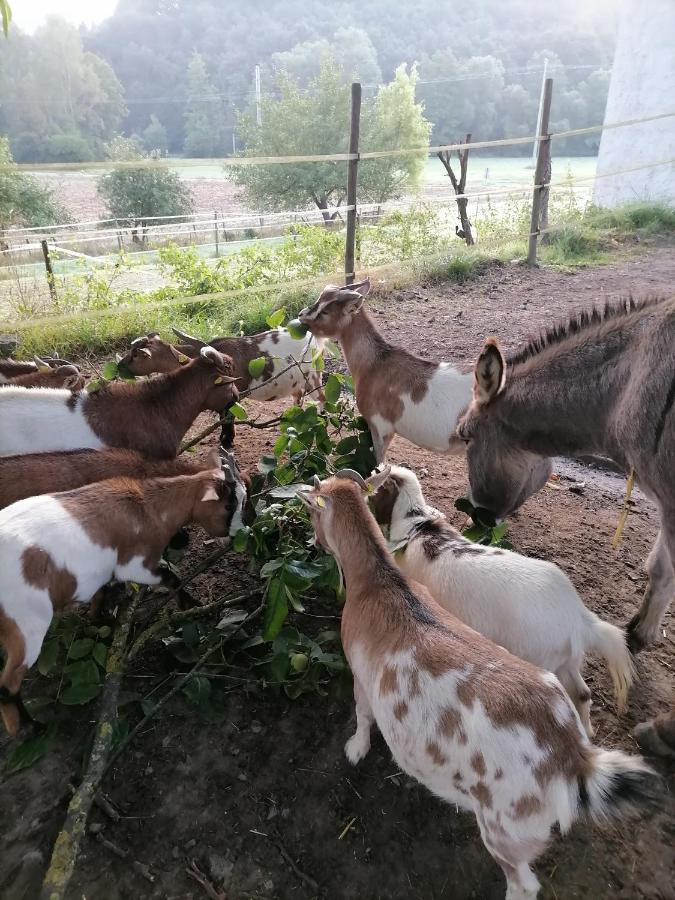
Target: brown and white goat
<point>151,416</point>
<point>479,727</point>
<point>149,354</point>
<point>396,392</point>
<point>57,549</point>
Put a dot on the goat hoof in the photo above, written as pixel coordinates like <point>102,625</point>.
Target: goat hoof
<point>356,748</point>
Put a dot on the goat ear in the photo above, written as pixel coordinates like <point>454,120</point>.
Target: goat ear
<point>212,461</point>
<point>41,364</point>
<point>310,498</point>
<point>377,479</point>
<point>72,382</point>
<point>490,373</point>
<point>362,287</point>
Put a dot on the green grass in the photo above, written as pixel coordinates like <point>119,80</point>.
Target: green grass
<point>590,240</point>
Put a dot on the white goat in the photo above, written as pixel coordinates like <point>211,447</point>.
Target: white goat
<point>479,727</point>
<point>529,606</point>
<point>396,392</point>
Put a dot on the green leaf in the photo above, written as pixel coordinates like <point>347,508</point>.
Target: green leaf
<point>100,654</point>
<point>332,389</point>
<point>30,751</point>
<point>110,370</point>
<point>474,533</point>
<point>286,492</point>
<point>499,533</point>
<point>238,412</point>
<point>276,318</point>
<point>257,366</point>
<point>271,567</point>
<point>6,11</point>
<point>95,385</point>
<point>79,694</point>
<point>285,474</point>
<point>104,631</point>
<point>81,648</point>
<point>48,656</point>
<point>240,540</point>
<point>276,609</point>
<point>348,444</point>
<point>318,362</point>
<point>280,445</point>
<point>296,329</point>
<point>198,690</point>
<point>84,671</point>
<point>332,348</point>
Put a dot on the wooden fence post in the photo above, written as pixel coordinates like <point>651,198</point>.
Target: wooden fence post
<point>352,173</point>
<point>542,175</point>
<point>50,270</point>
<point>215,222</point>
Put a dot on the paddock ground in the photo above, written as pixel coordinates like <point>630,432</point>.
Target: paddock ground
<point>271,774</point>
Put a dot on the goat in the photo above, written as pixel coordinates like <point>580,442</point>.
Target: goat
<point>67,377</point>
<point>527,605</point>
<point>479,727</point>
<point>61,548</point>
<point>149,354</point>
<point>150,417</point>
<point>10,369</point>
<point>29,474</point>
<point>396,392</point>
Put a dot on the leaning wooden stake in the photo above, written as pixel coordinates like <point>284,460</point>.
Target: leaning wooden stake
<point>50,270</point>
<point>66,848</point>
<point>459,187</point>
<point>352,174</point>
<point>542,176</point>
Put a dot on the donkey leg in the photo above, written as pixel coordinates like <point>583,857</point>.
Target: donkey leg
<point>643,628</point>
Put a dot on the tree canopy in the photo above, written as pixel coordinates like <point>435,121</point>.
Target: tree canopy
<point>192,67</point>
<point>315,122</point>
<point>23,200</point>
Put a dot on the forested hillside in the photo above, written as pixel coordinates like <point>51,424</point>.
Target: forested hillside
<point>177,73</point>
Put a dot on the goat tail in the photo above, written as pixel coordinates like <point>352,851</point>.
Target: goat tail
<point>610,642</point>
<point>616,785</point>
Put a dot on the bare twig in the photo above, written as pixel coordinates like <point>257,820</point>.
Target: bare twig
<point>194,872</point>
<point>122,746</point>
<point>66,848</point>
<point>167,621</point>
<point>276,840</point>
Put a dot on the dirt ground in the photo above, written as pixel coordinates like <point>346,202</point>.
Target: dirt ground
<point>262,800</point>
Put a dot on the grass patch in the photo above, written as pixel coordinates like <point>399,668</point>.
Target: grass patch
<point>640,218</point>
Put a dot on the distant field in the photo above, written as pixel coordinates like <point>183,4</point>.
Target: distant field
<point>212,190</point>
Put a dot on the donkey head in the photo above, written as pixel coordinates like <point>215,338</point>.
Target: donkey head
<point>334,309</point>
<point>502,474</point>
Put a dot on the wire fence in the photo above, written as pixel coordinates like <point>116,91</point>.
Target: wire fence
<point>93,241</point>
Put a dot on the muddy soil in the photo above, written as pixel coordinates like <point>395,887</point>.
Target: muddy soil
<point>264,800</point>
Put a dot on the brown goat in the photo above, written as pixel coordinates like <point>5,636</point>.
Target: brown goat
<point>30,474</point>
<point>68,377</point>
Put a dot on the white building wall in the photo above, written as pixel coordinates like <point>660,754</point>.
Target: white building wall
<point>642,84</point>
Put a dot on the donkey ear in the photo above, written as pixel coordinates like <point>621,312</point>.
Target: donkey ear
<point>490,373</point>
<point>210,493</point>
<point>377,479</point>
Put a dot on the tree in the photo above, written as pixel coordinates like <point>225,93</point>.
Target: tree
<point>155,136</point>
<point>23,200</point>
<point>51,86</point>
<point>135,194</point>
<point>316,122</point>
<point>203,113</point>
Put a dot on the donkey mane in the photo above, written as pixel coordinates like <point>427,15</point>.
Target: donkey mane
<point>579,323</point>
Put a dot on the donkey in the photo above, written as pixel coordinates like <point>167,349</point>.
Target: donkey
<point>602,384</point>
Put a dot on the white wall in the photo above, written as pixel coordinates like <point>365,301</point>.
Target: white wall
<point>642,84</point>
